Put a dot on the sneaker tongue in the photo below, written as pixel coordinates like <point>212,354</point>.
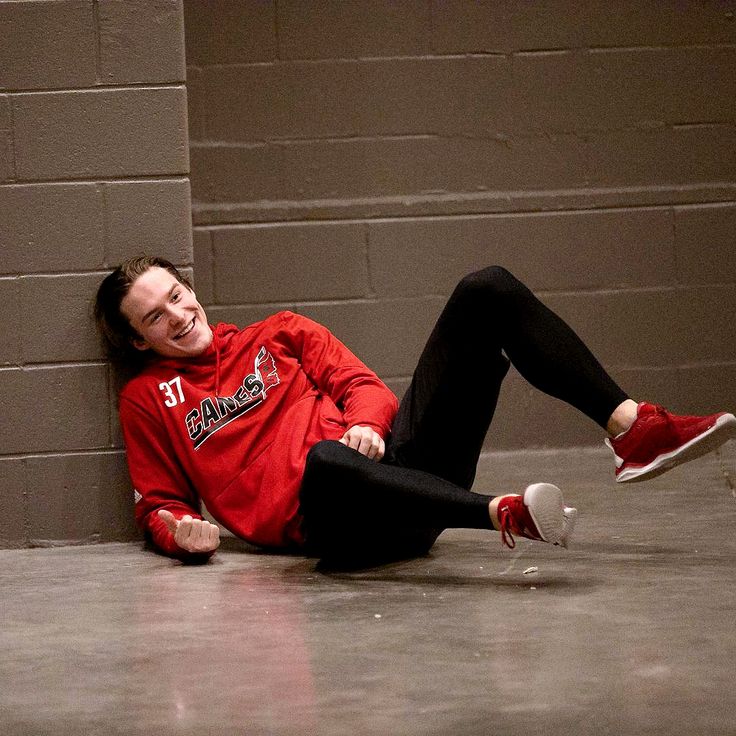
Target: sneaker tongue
<point>647,409</point>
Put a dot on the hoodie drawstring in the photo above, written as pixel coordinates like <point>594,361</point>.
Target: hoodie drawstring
<point>217,362</point>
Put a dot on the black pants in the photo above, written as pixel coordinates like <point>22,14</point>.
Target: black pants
<point>358,511</point>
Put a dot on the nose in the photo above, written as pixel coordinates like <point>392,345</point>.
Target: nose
<point>177,316</point>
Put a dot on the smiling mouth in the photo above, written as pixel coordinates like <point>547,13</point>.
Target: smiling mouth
<point>185,331</point>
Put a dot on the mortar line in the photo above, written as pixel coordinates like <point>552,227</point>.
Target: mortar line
<point>63,453</point>
<point>369,269</point>
<point>101,87</point>
<point>105,225</point>
<point>136,178</point>
<point>14,154</point>
<point>277,36</point>
<point>98,41</point>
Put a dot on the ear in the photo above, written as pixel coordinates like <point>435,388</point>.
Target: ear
<point>139,343</point>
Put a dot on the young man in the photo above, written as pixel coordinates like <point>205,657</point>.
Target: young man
<point>292,442</point>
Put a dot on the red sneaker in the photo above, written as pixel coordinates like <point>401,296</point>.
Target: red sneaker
<point>539,514</point>
<point>658,440</point>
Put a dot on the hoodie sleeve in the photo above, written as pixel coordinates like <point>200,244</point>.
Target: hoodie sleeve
<point>158,480</point>
<point>363,398</point>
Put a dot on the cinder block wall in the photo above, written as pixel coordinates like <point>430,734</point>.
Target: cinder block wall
<point>93,169</point>
<point>352,159</point>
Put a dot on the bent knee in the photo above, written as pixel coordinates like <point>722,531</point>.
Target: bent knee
<point>326,452</point>
<point>491,275</point>
<point>493,279</point>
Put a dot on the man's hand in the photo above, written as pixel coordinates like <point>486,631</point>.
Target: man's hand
<point>193,535</point>
<point>365,440</point>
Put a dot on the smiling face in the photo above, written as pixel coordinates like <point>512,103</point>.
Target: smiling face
<point>166,316</point>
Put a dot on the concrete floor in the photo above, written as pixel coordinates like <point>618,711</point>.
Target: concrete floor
<point>631,631</point>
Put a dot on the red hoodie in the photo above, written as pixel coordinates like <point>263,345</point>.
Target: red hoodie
<point>233,426</point>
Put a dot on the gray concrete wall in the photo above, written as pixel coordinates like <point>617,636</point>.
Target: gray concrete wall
<point>93,169</point>
<point>352,159</point>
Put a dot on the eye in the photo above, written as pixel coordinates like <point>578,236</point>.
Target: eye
<point>155,317</point>
<point>175,296</point>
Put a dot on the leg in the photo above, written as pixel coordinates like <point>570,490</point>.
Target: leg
<point>446,412</point>
<point>356,511</point>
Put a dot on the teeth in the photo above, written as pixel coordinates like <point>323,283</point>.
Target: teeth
<point>185,331</point>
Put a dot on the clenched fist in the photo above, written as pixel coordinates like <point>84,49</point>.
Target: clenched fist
<point>193,535</point>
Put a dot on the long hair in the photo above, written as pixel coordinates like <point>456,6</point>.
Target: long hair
<point>116,330</point>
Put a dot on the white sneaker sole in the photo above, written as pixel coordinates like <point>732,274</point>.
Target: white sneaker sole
<point>554,521</point>
<point>723,430</point>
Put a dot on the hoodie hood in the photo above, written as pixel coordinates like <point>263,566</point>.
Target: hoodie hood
<point>210,361</point>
